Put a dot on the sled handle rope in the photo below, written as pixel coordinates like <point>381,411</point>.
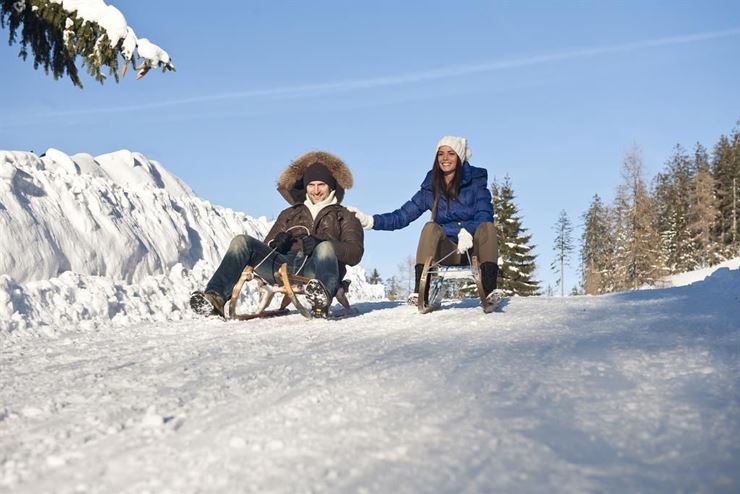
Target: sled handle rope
<point>248,274</point>
<point>308,232</point>
<point>268,291</point>
<point>437,264</point>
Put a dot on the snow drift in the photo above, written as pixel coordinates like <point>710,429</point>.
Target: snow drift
<point>113,237</point>
<point>119,215</point>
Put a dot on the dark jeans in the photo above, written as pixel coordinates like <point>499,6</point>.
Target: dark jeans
<point>248,251</point>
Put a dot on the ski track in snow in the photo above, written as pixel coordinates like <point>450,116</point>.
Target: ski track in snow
<point>631,392</point>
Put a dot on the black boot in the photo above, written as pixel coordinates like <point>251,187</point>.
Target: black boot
<point>319,298</point>
<point>418,269</point>
<point>414,297</point>
<point>207,304</point>
<point>489,273</point>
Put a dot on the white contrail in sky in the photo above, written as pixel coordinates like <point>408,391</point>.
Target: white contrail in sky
<point>415,77</point>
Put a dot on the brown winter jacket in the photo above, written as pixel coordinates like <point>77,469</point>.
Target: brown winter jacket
<point>334,222</point>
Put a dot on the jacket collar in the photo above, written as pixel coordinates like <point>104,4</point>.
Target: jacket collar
<point>467,177</point>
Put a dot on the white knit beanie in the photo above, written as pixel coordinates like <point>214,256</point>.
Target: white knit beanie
<point>458,144</point>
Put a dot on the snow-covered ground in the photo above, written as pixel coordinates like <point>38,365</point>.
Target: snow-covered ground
<point>631,392</point>
<point>110,385</point>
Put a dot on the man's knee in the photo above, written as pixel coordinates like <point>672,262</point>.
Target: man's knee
<point>240,243</point>
<point>324,250</point>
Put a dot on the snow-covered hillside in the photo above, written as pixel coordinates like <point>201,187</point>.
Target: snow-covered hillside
<point>628,392</point>
<point>115,237</point>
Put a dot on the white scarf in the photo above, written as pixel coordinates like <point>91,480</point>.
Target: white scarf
<point>315,208</point>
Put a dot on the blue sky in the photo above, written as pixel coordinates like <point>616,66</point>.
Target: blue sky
<point>550,93</point>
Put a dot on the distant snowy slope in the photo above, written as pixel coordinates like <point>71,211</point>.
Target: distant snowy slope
<point>110,238</point>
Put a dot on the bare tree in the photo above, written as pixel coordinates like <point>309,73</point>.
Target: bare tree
<point>407,273</point>
<point>638,243</point>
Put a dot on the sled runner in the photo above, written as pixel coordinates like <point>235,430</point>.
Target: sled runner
<point>290,286</point>
<point>433,278</point>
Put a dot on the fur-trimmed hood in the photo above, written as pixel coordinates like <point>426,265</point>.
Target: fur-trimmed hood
<point>290,183</point>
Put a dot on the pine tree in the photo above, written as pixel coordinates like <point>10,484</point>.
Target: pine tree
<point>637,256</point>
<point>563,247</point>
<point>726,172</point>
<point>374,278</point>
<point>516,260</point>
<point>597,248</point>
<point>704,212</point>
<point>57,36</point>
<point>673,200</point>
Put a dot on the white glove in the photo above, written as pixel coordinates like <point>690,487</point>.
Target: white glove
<point>464,241</point>
<point>365,220</point>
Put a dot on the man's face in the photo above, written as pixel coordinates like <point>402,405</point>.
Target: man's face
<point>317,191</point>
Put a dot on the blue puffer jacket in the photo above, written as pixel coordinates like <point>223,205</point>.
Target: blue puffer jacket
<point>469,210</point>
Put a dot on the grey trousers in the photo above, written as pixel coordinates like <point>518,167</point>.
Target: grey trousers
<point>433,242</point>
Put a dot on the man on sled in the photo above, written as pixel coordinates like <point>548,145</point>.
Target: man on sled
<point>308,247</point>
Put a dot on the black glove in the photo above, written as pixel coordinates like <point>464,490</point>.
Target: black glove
<point>282,242</point>
<point>309,244</point>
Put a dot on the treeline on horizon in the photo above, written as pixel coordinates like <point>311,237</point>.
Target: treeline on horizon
<point>686,218</point>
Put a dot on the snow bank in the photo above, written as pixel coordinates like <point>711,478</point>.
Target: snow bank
<point>118,215</point>
<point>109,238</point>
<point>73,302</point>
<point>684,279</point>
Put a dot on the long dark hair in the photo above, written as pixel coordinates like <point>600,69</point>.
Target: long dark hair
<point>439,186</point>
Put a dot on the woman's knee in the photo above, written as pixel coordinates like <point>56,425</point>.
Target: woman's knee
<point>431,231</point>
<point>485,241</point>
<point>429,241</point>
<point>431,227</point>
<point>486,230</point>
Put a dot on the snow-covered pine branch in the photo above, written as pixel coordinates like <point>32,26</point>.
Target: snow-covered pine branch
<point>57,31</point>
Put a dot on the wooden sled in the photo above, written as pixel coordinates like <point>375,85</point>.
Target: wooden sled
<point>290,286</point>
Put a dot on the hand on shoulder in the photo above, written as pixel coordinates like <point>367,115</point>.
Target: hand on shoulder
<point>365,220</point>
